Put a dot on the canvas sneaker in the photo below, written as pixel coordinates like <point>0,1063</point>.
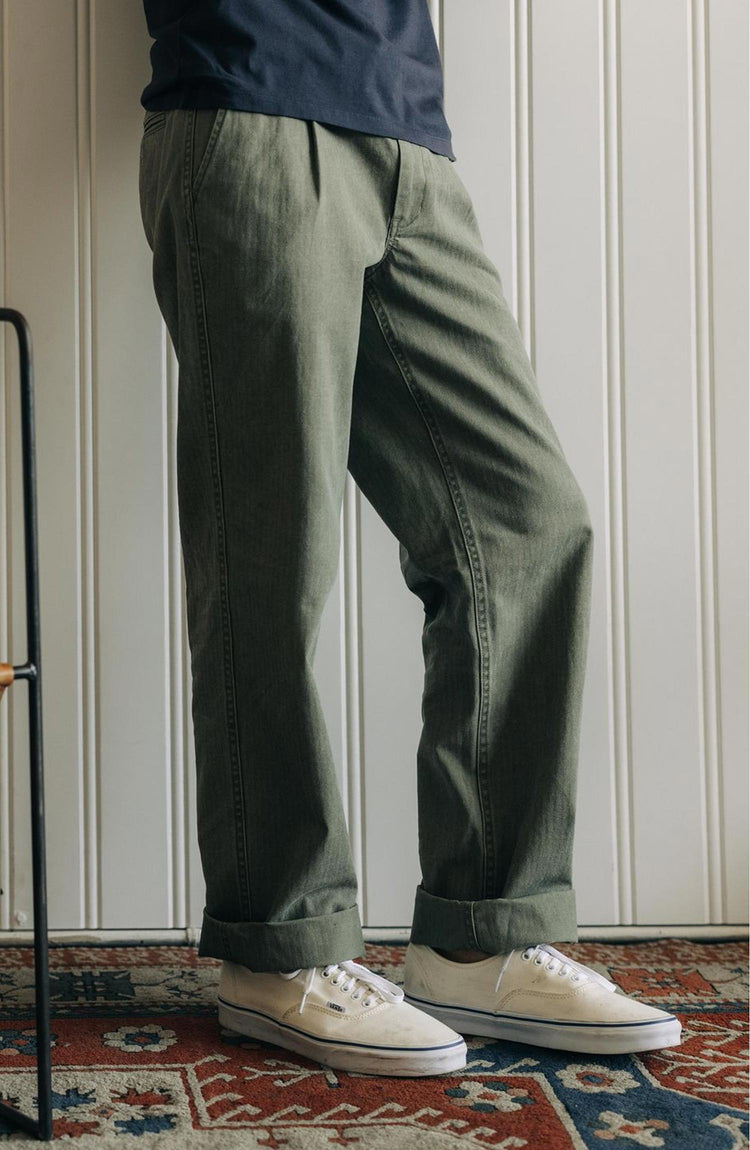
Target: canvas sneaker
<point>535,995</point>
<point>342,1015</point>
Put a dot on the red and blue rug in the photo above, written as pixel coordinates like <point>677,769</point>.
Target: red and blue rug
<point>138,1055</point>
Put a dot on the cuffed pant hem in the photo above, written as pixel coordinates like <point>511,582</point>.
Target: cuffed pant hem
<point>299,942</point>
<point>496,925</point>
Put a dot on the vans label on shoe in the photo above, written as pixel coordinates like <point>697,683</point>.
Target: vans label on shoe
<point>376,1032</point>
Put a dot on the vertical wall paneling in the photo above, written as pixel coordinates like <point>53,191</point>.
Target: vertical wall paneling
<point>179,892</point>
<point>392,680</point>
<point>612,527</point>
<point>6,652</point>
<point>89,776</point>
<point>484,143</point>
<point>566,219</point>
<point>133,668</point>
<point>726,404</point>
<point>604,144</point>
<point>662,538</point>
<point>703,431</point>
<point>523,164</point>
<point>41,280</point>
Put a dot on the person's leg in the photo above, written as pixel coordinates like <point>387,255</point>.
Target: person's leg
<point>453,447</point>
<point>261,228</point>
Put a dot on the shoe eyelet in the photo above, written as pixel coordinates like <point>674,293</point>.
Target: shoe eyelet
<point>526,957</point>
<point>538,962</point>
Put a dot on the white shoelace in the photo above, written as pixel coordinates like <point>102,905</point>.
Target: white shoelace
<point>352,973</point>
<point>560,963</point>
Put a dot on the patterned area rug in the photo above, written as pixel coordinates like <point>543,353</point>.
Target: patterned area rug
<point>139,1055</point>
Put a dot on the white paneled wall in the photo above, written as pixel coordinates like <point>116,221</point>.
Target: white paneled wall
<point>604,143</point>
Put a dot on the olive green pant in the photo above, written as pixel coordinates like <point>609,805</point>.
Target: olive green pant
<point>332,307</point>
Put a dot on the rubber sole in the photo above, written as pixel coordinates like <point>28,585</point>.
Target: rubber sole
<point>397,1061</point>
<point>583,1038</point>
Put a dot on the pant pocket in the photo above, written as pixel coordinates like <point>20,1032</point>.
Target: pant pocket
<point>206,126</point>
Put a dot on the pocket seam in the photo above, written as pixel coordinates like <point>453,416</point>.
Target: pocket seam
<point>209,149</point>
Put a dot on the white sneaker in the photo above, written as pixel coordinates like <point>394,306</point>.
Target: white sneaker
<point>342,1015</point>
<point>535,995</point>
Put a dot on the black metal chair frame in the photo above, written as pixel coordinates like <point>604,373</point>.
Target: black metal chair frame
<point>31,670</point>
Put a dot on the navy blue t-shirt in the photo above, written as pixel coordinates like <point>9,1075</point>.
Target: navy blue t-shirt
<point>370,65</point>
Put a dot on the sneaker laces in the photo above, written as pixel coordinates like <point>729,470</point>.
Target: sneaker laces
<point>353,973</point>
<point>559,963</point>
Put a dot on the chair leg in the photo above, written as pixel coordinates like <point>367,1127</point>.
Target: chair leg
<point>41,1126</point>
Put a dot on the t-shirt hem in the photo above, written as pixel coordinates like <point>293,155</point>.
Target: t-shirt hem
<point>369,125</point>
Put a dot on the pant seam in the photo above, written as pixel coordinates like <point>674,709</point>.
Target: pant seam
<point>404,225</point>
<point>478,587</point>
<point>210,411</point>
<point>418,212</point>
<point>389,242</point>
<point>393,223</point>
<point>226,941</point>
<point>398,225</point>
